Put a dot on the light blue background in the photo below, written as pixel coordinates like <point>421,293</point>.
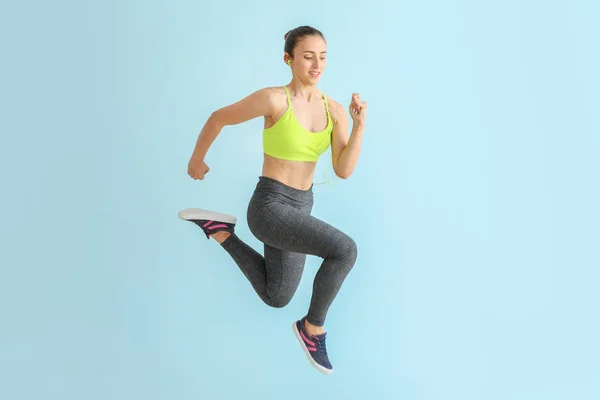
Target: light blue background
<point>474,202</point>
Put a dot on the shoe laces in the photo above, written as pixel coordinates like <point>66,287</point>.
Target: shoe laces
<point>321,343</point>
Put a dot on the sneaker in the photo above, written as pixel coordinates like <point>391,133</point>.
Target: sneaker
<point>210,222</point>
<point>313,346</point>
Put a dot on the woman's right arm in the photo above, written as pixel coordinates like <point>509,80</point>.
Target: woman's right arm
<point>255,105</point>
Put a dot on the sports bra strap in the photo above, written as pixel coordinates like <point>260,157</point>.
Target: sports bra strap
<point>288,96</point>
<point>326,105</point>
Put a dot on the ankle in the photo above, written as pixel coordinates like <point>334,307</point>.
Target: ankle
<point>313,329</point>
<point>220,237</point>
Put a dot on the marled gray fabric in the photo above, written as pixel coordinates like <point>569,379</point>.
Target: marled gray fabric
<point>279,216</point>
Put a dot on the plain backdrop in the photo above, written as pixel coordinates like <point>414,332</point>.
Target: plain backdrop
<point>474,203</point>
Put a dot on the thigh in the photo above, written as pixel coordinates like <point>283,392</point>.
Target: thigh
<point>284,264</point>
<point>279,257</point>
<point>294,231</point>
<point>284,267</point>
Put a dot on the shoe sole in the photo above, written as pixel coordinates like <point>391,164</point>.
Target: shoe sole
<point>190,214</point>
<point>307,353</point>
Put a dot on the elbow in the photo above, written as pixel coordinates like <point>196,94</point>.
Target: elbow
<point>215,121</point>
<point>342,171</point>
<point>343,174</point>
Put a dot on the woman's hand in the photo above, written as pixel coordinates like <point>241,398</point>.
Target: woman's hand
<point>197,168</point>
<point>358,109</point>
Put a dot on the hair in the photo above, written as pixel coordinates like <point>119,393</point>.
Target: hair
<point>294,36</point>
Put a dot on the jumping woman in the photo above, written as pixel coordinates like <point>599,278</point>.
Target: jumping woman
<point>300,124</point>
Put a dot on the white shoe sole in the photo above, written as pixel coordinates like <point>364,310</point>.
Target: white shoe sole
<point>197,213</point>
<point>307,352</point>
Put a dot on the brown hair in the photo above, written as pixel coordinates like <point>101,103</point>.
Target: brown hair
<point>296,35</point>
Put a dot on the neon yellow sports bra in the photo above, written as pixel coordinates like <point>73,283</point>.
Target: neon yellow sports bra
<point>288,140</point>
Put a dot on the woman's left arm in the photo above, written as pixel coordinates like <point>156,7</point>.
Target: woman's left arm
<point>344,150</point>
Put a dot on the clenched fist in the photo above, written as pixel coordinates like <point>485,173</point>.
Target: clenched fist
<point>197,168</point>
<point>358,109</point>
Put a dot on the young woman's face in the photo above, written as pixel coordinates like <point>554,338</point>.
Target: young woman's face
<point>310,59</point>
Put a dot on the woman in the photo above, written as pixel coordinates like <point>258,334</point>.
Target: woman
<point>300,123</point>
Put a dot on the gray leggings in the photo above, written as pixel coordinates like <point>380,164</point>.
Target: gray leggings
<point>279,216</point>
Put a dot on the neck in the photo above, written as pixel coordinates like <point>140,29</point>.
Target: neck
<point>307,92</point>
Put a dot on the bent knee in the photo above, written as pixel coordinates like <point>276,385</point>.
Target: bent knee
<point>280,301</point>
<point>351,252</point>
<point>347,250</point>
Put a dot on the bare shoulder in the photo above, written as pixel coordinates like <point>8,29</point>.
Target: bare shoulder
<point>338,112</point>
<point>277,98</point>
<point>262,102</point>
<point>268,94</point>
<point>276,93</point>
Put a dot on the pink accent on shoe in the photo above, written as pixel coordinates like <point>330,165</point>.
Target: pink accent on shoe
<point>311,349</point>
<point>306,339</point>
<point>217,226</point>
<point>206,224</point>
